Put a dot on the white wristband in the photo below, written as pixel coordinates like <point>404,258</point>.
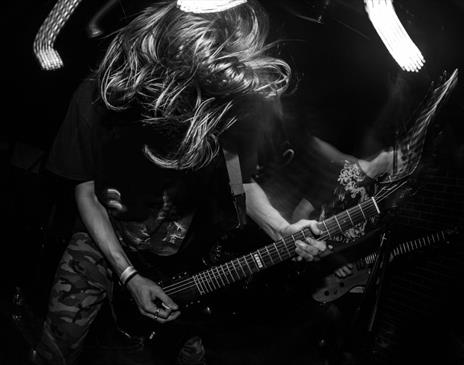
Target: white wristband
<point>128,273</point>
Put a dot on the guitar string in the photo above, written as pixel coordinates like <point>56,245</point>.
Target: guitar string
<point>190,282</point>
<point>274,252</point>
<point>275,256</point>
<point>210,276</point>
<point>416,243</point>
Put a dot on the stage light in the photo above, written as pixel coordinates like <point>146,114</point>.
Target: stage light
<point>395,38</point>
<point>49,59</point>
<point>207,6</point>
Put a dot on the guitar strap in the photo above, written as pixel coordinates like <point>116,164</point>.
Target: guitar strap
<point>236,186</point>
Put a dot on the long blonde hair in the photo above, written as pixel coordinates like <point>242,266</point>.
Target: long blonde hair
<point>185,70</point>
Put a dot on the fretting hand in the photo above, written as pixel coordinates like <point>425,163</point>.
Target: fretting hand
<point>310,248</point>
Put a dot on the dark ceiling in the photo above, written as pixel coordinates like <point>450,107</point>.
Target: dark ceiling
<point>345,77</point>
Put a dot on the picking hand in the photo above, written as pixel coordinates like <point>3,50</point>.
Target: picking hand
<point>310,248</point>
<point>146,293</point>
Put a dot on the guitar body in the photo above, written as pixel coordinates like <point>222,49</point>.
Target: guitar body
<point>170,273</point>
<point>334,287</point>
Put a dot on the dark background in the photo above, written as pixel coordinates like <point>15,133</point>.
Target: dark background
<point>344,92</point>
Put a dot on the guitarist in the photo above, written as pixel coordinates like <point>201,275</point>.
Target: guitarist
<point>142,140</point>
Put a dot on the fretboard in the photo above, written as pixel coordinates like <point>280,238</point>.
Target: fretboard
<point>407,247</point>
<point>242,267</point>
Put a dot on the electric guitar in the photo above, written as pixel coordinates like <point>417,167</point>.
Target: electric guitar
<point>335,287</point>
<point>186,289</point>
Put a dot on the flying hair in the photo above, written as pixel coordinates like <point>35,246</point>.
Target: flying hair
<point>185,70</point>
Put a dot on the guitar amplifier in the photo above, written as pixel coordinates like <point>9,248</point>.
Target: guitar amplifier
<point>419,318</point>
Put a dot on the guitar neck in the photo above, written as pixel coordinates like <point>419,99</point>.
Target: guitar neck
<point>418,243</point>
<point>242,267</point>
<point>408,246</point>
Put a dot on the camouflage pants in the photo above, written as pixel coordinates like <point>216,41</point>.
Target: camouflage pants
<point>82,282</point>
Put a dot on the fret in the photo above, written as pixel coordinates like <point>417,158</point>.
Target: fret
<point>407,245</point>
<point>253,263</point>
<point>443,234</point>
<point>225,274</point>
<point>326,229</point>
<point>231,272</point>
<point>339,226</point>
<point>248,265</point>
<point>206,281</point>
<point>258,263</point>
<point>286,246</point>
<point>360,208</point>
<point>269,255</point>
<point>428,240</point>
<point>210,279</point>
<point>263,261</point>
<point>410,246</point>
<point>277,250</point>
<point>217,275</point>
<point>241,267</point>
<point>332,224</point>
<point>349,216</point>
<point>376,206</point>
<point>199,288</point>
<point>402,248</point>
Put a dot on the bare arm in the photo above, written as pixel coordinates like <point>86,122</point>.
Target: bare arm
<point>96,219</point>
<point>259,209</point>
<point>98,224</point>
<point>271,221</point>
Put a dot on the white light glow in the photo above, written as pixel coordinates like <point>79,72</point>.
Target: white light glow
<point>387,24</point>
<point>207,6</point>
<point>48,57</point>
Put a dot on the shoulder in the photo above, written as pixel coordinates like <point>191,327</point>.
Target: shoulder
<point>86,103</point>
<point>254,116</point>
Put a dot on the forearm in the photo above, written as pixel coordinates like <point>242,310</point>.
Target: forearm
<point>259,209</point>
<point>98,224</point>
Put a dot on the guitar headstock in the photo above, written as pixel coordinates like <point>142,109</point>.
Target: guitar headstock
<point>393,194</point>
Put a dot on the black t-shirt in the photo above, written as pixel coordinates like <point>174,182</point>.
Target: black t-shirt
<point>157,205</point>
